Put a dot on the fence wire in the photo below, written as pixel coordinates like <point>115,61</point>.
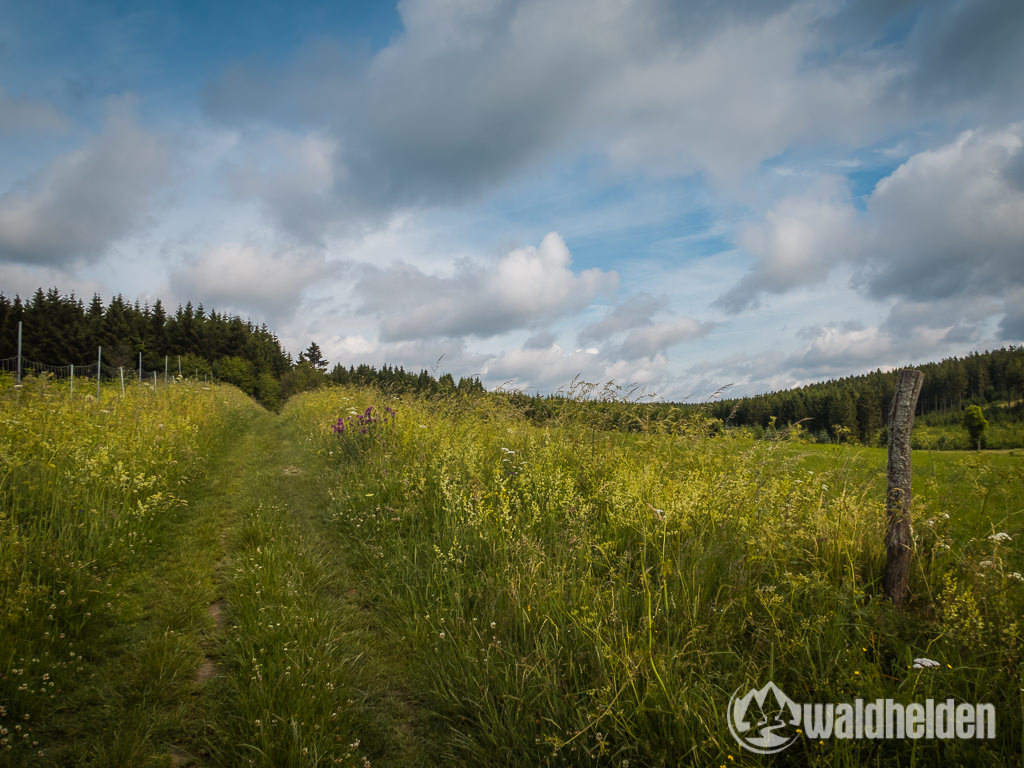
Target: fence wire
<point>89,371</point>
<point>22,367</point>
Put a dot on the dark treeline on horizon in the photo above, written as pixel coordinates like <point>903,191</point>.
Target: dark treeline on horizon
<point>398,380</point>
<point>859,405</point>
<point>61,329</point>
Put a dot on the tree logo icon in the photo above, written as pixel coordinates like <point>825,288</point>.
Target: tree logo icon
<point>764,720</point>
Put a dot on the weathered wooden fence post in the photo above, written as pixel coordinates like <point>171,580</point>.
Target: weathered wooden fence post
<point>899,538</point>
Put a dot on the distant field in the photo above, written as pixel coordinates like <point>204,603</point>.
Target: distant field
<point>954,437</point>
<point>187,579</point>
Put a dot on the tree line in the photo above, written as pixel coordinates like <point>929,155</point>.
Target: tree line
<point>845,409</point>
<point>398,380</point>
<point>858,406</point>
<point>60,329</point>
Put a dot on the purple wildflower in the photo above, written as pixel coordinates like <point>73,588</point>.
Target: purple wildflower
<point>367,421</point>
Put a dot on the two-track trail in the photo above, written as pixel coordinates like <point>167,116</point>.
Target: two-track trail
<point>250,641</point>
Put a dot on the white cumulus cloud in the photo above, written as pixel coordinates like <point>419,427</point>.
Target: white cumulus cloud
<point>797,244</point>
<point>526,287</point>
<point>658,337</point>
<point>950,220</point>
<point>945,226</point>
<point>248,280</point>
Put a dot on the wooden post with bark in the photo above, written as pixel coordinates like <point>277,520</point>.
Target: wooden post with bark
<point>899,537</point>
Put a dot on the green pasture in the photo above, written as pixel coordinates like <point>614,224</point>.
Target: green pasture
<point>188,579</point>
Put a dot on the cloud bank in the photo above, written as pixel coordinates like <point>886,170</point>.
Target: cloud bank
<point>85,200</point>
<point>941,236</point>
<point>472,94</point>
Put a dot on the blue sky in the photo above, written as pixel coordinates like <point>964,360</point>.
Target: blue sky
<point>676,195</point>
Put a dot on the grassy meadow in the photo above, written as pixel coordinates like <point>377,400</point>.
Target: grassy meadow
<point>89,492</point>
<point>564,595</point>
<point>364,579</point>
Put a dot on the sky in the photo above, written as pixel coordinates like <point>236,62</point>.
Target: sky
<point>674,196</point>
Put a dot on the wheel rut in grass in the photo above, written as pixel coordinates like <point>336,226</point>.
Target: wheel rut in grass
<point>296,671</point>
<point>248,638</point>
<point>146,699</point>
<point>208,668</point>
<point>201,549</point>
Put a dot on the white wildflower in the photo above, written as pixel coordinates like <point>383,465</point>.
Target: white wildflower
<point>1000,538</point>
<point>922,663</point>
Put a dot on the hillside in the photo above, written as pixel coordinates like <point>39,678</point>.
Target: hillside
<point>858,405</point>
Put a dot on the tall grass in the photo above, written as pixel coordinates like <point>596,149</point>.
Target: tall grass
<point>568,595</point>
<point>85,487</point>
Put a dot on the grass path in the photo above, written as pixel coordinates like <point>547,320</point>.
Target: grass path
<point>247,640</point>
<point>303,675</point>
